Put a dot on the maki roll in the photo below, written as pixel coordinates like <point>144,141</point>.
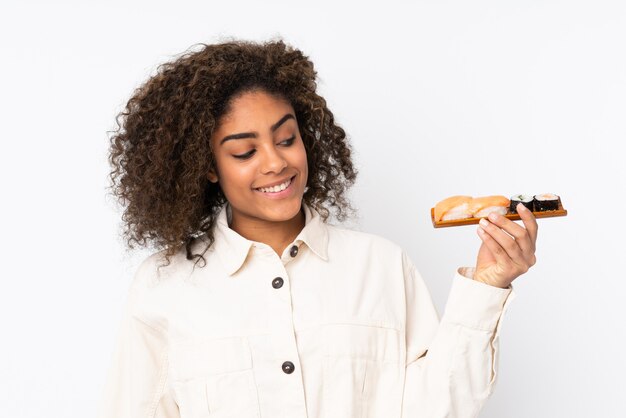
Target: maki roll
<point>546,201</point>
<point>524,199</point>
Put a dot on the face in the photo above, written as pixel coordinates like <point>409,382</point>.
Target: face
<point>256,145</point>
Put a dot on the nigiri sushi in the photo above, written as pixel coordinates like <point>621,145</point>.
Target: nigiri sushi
<point>480,207</point>
<point>454,207</point>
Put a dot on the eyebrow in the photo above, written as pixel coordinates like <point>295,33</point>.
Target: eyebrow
<point>253,134</point>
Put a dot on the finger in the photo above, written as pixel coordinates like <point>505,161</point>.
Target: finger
<point>530,222</point>
<point>518,232</point>
<point>498,252</point>
<point>507,242</point>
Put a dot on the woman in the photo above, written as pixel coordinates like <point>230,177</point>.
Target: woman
<point>229,160</point>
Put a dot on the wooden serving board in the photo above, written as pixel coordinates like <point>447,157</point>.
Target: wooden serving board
<point>513,216</point>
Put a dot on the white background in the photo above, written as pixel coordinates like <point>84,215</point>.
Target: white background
<point>437,97</point>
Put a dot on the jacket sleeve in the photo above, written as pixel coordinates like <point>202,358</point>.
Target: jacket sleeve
<point>451,364</point>
<point>137,380</point>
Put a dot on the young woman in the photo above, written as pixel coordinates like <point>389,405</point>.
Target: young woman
<point>229,161</point>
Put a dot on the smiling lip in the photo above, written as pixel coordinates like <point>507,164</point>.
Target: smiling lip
<point>275,184</point>
<point>284,194</point>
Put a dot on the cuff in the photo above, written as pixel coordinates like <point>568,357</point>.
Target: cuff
<point>475,304</point>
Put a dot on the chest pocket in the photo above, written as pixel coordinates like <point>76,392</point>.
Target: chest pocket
<point>363,369</point>
<point>214,378</point>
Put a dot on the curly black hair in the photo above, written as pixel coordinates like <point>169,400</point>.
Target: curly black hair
<point>160,152</point>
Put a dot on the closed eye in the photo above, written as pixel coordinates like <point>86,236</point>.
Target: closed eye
<point>287,142</point>
<point>246,155</point>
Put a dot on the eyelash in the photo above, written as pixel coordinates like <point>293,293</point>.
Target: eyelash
<point>249,154</point>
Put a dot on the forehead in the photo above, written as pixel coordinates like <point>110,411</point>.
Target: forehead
<point>253,108</point>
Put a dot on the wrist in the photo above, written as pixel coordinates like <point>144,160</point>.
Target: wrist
<point>468,272</point>
<point>489,282</point>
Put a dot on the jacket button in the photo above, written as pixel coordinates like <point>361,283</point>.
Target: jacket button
<point>277,283</point>
<point>288,367</point>
<point>294,250</point>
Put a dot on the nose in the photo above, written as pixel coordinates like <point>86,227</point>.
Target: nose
<point>273,160</point>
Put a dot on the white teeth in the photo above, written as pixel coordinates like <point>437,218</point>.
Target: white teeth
<point>276,189</point>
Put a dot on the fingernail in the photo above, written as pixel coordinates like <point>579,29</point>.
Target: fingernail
<point>484,222</point>
<point>521,208</point>
<point>493,216</point>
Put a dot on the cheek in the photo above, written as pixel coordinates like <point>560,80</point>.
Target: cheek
<point>301,157</point>
<point>233,175</point>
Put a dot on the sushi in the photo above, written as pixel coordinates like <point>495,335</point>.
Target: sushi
<point>452,208</point>
<point>466,210</point>
<point>483,206</point>
<point>524,199</point>
<point>546,201</point>
<point>463,207</point>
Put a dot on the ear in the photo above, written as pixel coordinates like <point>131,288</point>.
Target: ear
<point>212,176</point>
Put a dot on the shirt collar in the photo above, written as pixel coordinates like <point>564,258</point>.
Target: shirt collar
<point>233,249</point>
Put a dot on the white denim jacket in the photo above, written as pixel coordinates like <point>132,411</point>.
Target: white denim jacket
<point>340,326</point>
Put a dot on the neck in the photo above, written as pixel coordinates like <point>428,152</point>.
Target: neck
<point>277,235</point>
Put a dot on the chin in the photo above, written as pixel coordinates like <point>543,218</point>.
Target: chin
<point>283,211</point>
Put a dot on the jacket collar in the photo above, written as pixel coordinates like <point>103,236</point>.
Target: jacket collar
<point>233,249</point>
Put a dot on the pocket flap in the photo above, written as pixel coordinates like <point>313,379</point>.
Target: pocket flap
<point>361,341</point>
<point>201,358</point>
